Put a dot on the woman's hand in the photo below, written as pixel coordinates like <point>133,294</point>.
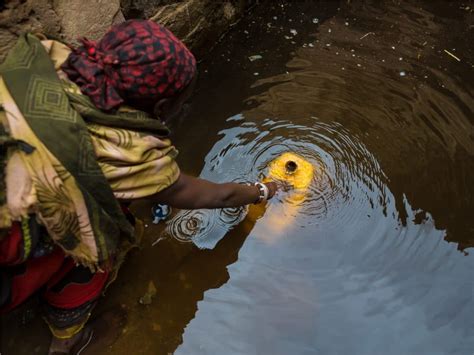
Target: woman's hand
<point>272,188</point>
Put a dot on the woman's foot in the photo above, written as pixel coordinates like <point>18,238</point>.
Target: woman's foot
<point>97,335</point>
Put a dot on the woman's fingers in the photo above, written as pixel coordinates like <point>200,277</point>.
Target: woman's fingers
<point>272,189</point>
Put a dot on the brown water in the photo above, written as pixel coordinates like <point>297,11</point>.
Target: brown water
<point>376,259</point>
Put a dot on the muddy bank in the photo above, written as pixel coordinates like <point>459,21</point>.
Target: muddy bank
<point>198,22</point>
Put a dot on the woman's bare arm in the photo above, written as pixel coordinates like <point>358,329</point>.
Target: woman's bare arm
<point>189,192</point>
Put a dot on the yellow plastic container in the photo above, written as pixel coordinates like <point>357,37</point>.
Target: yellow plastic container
<point>294,170</point>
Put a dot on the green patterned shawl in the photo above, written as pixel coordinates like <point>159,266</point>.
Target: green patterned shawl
<point>57,120</point>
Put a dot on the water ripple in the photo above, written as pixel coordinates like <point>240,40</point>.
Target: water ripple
<point>346,175</point>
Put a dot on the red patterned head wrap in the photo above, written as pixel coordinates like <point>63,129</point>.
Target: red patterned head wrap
<point>137,62</point>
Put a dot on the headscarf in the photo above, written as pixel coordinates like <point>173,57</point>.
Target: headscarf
<point>137,62</point>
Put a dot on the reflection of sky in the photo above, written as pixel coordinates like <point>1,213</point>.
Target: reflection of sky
<point>371,287</point>
<point>353,281</point>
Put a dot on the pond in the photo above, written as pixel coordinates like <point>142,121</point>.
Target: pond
<point>376,259</point>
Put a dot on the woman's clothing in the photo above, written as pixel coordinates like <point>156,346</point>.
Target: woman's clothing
<point>137,61</point>
<point>63,166</point>
<point>69,292</point>
<point>73,169</point>
<point>30,262</point>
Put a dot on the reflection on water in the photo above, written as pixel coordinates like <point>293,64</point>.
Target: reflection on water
<point>205,228</point>
<point>347,177</point>
<point>375,259</point>
<point>362,265</point>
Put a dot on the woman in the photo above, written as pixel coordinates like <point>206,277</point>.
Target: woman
<point>75,153</point>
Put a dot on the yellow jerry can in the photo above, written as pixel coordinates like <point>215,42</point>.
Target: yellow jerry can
<point>297,173</point>
<point>293,170</point>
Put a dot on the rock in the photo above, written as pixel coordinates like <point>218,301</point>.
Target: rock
<point>20,16</point>
<point>61,19</point>
<point>87,18</point>
<point>7,40</point>
<point>198,23</point>
<point>147,298</point>
<point>143,9</point>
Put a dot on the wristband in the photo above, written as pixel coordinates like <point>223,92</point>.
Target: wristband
<point>263,192</point>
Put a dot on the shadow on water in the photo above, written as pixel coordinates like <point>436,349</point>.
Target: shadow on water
<point>375,258</point>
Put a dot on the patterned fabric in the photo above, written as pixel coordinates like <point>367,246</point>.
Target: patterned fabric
<point>65,323</point>
<point>129,147</point>
<point>135,165</point>
<point>22,240</point>
<point>20,282</point>
<point>68,291</point>
<point>138,61</point>
<point>5,139</point>
<point>75,201</point>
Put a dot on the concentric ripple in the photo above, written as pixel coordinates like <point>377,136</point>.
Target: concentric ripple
<point>346,175</point>
<point>204,227</point>
<point>188,224</point>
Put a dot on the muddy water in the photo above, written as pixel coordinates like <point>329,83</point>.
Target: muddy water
<point>376,258</point>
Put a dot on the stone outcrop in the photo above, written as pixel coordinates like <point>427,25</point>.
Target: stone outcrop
<point>87,18</point>
<point>26,16</point>
<point>144,8</point>
<point>62,19</point>
<point>199,23</point>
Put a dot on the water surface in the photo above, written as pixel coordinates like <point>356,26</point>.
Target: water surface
<point>376,259</point>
